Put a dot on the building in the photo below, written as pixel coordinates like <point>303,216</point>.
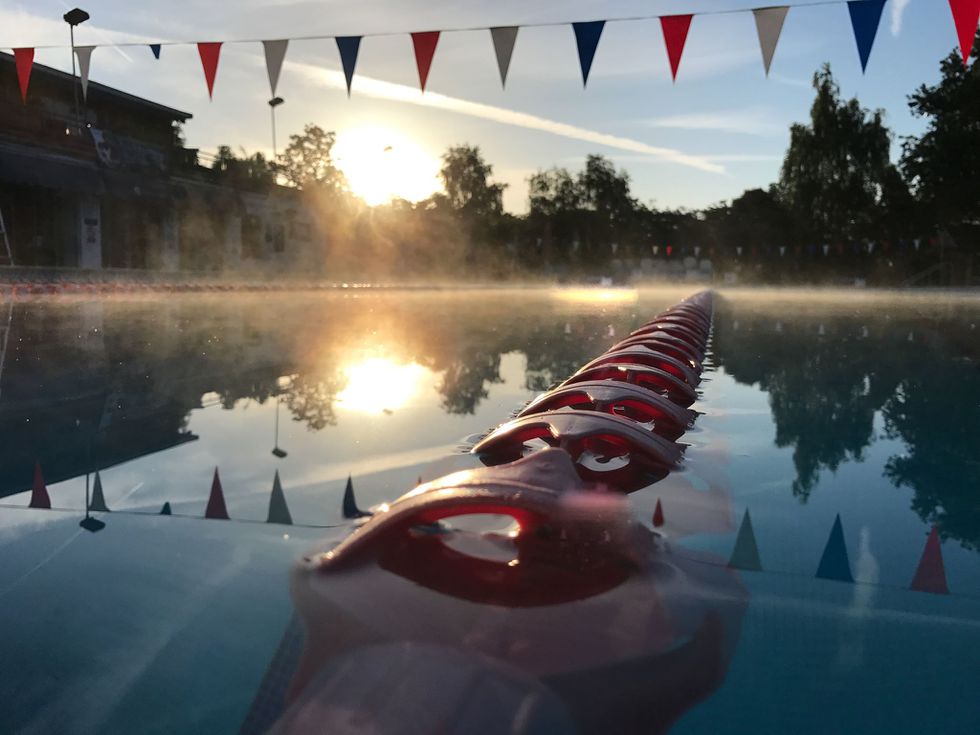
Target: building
<point>108,183</point>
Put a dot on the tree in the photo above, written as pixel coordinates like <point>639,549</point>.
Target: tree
<point>943,164</point>
<point>605,192</point>
<point>465,177</point>
<point>308,163</point>
<point>251,172</point>
<point>836,167</point>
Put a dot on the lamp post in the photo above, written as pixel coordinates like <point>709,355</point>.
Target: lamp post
<point>273,104</point>
<point>74,18</point>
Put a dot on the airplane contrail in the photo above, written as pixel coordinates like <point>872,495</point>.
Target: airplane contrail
<point>403,93</point>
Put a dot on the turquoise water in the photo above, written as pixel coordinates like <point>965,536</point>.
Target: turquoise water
<point>814,405</point>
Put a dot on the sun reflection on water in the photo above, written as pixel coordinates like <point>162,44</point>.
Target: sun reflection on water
<point>378,384</point>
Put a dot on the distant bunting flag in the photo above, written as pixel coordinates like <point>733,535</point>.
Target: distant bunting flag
<point>675,28</point>
<point>24,60</point>
<point>425,49</point>
<point>769,24</point>
<point>209,52</point>
<point>348,46</point>
<point>865,16</point>
<point>275,52</point>
<point>155,48</point>
<point>966,18</point>
<point>504,39</point>
<point>587,39</point>
<point>84,54</point>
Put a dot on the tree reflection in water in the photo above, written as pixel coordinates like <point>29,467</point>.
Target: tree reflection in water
<point>830,368</point>
<point>130,372</point>
<point>120,379</point>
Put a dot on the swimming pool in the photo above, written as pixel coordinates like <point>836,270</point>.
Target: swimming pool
<point>814,406</point>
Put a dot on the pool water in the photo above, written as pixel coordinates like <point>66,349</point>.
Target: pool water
<point>814,406</point>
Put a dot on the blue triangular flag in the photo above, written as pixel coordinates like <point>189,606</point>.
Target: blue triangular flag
<point>746,553</point>
<point>155,48</point>
<point>278,510</point>
<point>98,496</point>
<point>348,46</point>
<point>350,503</point>
<point>834,563</point>
<point>587,38</point>
<point>865,15</point>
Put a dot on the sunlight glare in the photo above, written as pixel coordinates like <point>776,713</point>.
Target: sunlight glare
<point>377,384</point>
<point>598,295</point>
<point>381,164</point>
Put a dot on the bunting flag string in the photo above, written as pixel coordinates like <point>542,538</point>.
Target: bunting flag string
<point>587,40</point>
<point>348,46</point>
<point>209,52</point>
<point>865,17</point>
<point>84,54</point>
<point>504,39</point>
<point>275,52</point>
<point>675,28</point>
<point>425,48</point>
<point>769,25</point>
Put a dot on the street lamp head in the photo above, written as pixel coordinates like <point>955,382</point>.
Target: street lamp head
<point>76,17</point>
<point>276,101</point>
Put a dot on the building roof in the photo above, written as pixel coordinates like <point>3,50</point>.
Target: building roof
<point>97,90</point>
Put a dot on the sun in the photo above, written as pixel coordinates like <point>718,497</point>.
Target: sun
<point>377,385</point>
<point>381,164</point>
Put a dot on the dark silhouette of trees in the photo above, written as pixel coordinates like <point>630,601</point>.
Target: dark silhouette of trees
<point>943,164</point>
<point>308,162</point>
<point>249,172</point>
<point>836,167</point>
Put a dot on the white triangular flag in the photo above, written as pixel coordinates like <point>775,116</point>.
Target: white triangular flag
<point>503,45</point>
<point>769,24</point>
<point>84,54</point>
<point>275,52</point>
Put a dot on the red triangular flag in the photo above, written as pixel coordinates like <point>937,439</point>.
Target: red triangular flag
<point>216,503</point>
<point>425,49</point>
<point>675,29</point>
<point>658,515</point>
<point>24,58</point>
<point>39,491</point>
<point>966,16</point>
<point>209,51</point>
<point>931,574</point>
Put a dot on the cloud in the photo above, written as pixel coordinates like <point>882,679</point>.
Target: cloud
<point>403,93</point>
<point>749,121</point>
<point>898,11</point>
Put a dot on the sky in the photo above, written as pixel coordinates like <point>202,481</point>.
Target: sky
<point>721,128</point>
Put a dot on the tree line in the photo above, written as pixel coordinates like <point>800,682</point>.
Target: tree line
<point>838,193</point>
